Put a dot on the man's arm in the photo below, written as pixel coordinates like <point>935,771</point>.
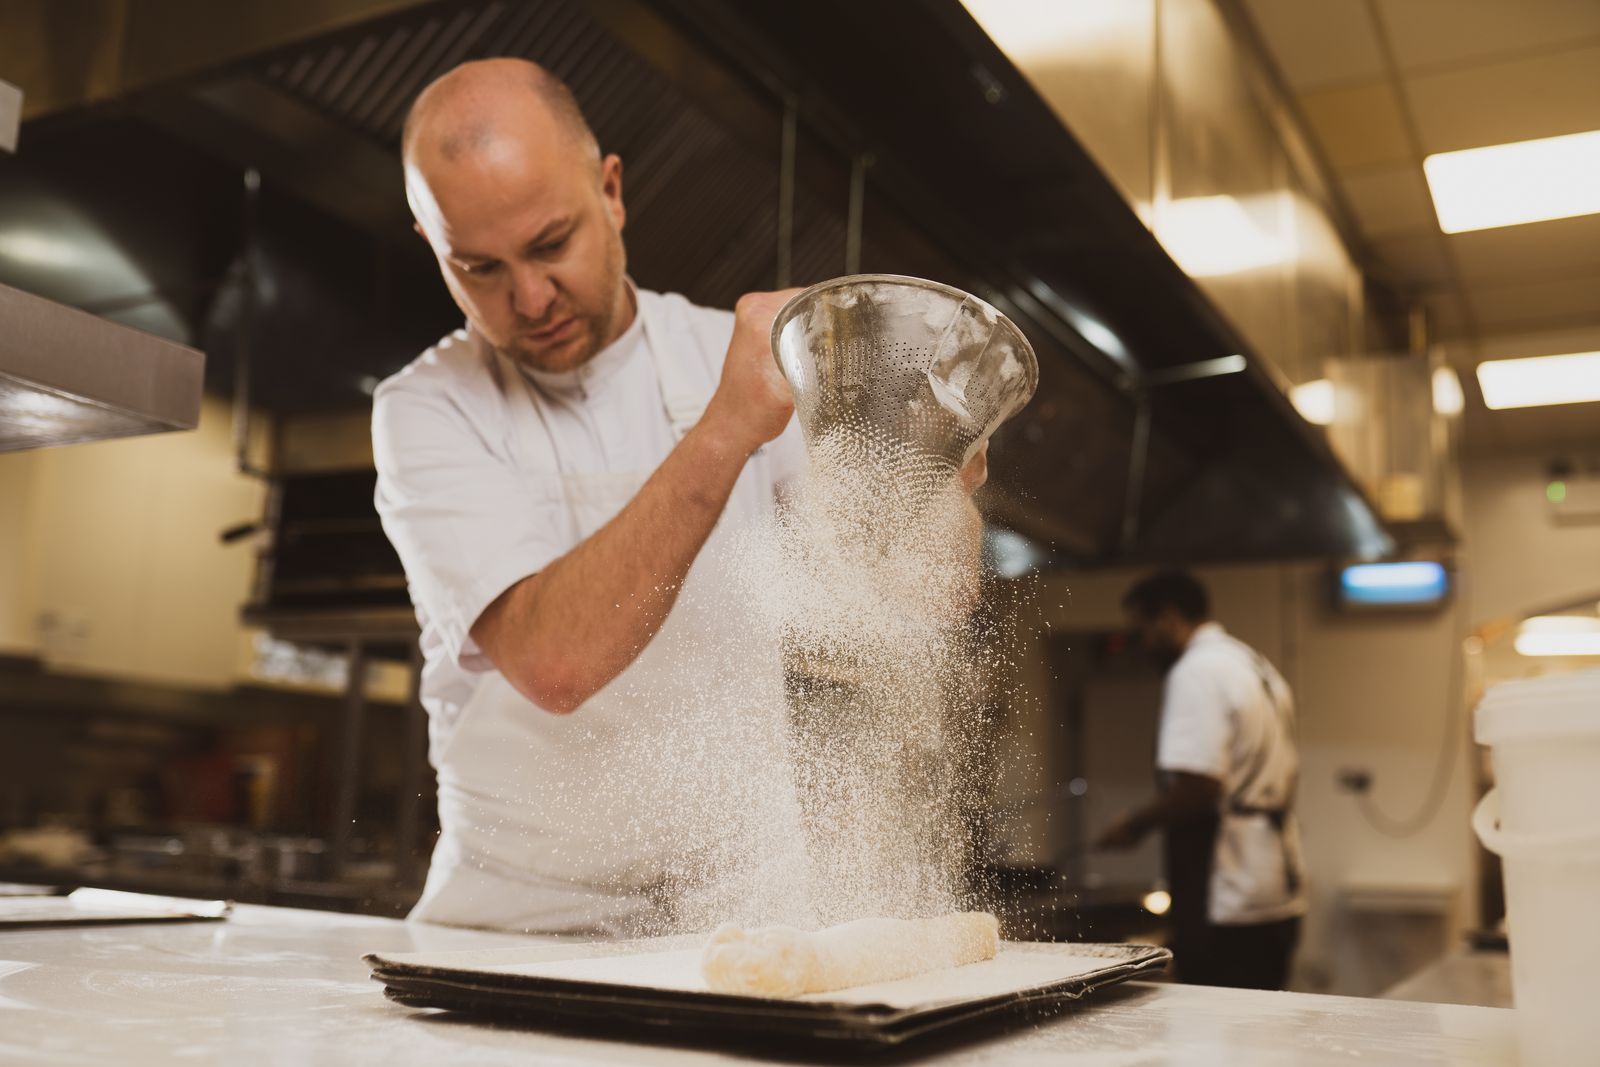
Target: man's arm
<point>560,635</point>
<point>1186,798</point>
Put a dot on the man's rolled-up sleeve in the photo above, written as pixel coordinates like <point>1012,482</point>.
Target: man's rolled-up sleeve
<point>466,523</point>
<point>1196,722</point>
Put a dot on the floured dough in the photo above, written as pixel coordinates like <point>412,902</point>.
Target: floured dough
<point>780,961</point>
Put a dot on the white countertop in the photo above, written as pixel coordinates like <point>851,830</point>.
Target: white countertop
<point>1467,976</point>
<point>280,986</point>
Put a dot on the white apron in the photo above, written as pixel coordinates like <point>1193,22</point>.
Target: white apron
<point>584,822</point>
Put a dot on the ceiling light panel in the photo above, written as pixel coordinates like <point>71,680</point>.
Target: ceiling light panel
<point>1512,184</point>
<point>1536,381</point>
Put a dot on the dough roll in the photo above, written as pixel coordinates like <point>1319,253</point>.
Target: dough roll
<point>781,961</point>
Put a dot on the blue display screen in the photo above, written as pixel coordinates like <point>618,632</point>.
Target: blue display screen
<point>1414,582</point>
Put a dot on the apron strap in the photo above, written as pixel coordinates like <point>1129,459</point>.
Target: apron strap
<point>683,397</point>
<point>1277,818</point>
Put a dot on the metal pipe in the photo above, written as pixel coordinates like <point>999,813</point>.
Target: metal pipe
<point>347,786</point>
<point>247,325</point>
<point>1138,456</point>
<point>852,231</point>
<point>791,121</point>
<point>408,812</point>
<point>1418,334</point>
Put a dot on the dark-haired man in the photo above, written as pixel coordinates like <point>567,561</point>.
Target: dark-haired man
<point>1227,763</point>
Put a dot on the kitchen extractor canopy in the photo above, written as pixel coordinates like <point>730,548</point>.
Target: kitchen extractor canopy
<point>67,376</point>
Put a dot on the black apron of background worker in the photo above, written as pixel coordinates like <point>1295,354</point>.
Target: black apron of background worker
<point>1249,956</point>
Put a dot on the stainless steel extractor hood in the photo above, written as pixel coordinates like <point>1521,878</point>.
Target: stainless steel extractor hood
<point>67,376</point>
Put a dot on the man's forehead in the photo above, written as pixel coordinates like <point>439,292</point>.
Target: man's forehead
<point>499,194</point>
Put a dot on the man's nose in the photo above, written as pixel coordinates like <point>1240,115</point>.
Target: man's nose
<point>532,292</point>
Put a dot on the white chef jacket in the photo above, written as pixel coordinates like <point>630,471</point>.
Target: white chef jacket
<point>484,472</point>
<point>451,476</point>
<point>1227,713</point>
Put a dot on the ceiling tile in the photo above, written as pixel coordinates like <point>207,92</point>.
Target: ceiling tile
<point>1390,200</point>
<point>1552,250</point>
<point>1358,125</point>
<point>1416,260</point>
<point>1533,305</point>
<point>1319,44</point>
<point>1579,337</point>
<point>1553,429</point>
<point>1514,101</point>
<point>1426,33</point>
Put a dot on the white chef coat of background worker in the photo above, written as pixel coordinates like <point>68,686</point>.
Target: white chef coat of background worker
<point>1227,714</point>
<point>549,477</point>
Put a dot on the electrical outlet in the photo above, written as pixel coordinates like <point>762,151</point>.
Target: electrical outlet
<point>63,635</point>
<point>1355,779</point>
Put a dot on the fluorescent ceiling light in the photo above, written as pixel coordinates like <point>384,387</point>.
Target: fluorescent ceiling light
<point>1560,624</point>
<point>1447,395</point>
<point>1558,644</point>
<point>1316,401</point>
<point>1509,184</point>
<point>1058,29</point>
<point>1209,236</point>
<point>1559,635</point>
<point>1538,380</point>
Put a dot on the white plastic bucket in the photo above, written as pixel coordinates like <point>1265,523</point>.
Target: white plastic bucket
<point>1545,736</point>
<point>1552,882</point>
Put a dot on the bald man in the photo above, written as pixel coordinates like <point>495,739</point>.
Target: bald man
<point>558,477</point>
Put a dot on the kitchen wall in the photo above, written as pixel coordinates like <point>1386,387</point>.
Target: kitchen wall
<point>16,592</point>
<point>110,562</point>
<point>1528,560</point>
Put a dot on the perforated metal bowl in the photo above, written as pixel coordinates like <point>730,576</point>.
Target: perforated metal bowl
<point>903,361</point>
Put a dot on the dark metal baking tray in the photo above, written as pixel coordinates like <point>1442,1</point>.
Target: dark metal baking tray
<point>621,1011</point>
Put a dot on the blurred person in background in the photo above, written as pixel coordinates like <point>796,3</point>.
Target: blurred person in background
<point>1226,766</point>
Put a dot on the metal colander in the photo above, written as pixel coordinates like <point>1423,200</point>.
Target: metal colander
<point>904,362</point>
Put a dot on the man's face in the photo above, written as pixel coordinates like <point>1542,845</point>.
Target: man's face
<point>1157,634</point>
<point>528,236</point>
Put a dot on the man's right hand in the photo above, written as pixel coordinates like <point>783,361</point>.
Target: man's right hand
<point>1124,833</point>
<point>753,401</point>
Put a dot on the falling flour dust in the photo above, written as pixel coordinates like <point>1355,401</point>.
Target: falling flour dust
<point>842,786</point>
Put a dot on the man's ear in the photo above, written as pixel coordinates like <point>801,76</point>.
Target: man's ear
<point>611,187</point>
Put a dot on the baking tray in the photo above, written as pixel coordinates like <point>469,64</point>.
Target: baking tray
<point>102,907</point>
<point>20,889</point>
<point>588,989</point>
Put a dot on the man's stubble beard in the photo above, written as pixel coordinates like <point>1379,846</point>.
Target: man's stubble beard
<point>599,326</point>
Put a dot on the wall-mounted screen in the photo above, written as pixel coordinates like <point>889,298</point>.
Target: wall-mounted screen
<point>1406,584</point>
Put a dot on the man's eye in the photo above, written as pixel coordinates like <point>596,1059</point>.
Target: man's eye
<point>552,247</point>
<point>480,269</point>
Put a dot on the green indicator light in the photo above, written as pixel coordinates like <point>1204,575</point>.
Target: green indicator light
<point>1555,492</point>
